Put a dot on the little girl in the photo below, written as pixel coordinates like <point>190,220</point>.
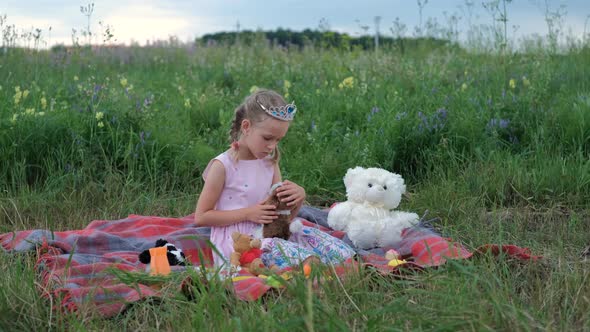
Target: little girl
<point>237,183</point>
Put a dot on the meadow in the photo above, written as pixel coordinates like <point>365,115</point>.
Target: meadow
<point>495,144</point>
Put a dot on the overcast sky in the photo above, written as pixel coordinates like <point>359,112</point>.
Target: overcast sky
<point>142,20</point>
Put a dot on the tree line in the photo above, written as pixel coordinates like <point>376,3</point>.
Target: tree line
<point>324,39</point>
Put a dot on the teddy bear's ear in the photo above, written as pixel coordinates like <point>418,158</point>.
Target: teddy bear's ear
<point>398,181</point>
<point>235,236</point>
<point>351,174</point>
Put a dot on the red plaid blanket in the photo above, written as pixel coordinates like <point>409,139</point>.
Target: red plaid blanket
<point>76,266</point>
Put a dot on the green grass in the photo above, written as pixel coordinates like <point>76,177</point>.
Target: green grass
<point>497,164</point>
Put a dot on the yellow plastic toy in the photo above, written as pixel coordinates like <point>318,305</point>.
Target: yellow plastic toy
<point>394,258</point>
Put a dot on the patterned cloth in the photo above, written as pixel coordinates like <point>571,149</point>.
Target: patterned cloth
<point>309,242</point>
<point>77,267</point>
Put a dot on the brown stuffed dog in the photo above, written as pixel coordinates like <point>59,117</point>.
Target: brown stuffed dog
<point>282,227</point>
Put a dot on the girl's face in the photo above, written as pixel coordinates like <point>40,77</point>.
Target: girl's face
<point>261,138</point>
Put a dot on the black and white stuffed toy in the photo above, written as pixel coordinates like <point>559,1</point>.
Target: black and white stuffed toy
<point>175,255</point>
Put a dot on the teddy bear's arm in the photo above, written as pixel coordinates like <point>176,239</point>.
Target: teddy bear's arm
<point>234,258</point>
<point>339,216</point>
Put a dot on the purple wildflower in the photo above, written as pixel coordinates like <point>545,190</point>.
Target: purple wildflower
<point>436,121</point>
<point>498,124</point>
<point>374,110</point>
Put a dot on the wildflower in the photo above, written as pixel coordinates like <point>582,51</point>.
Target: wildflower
<point>512,83</point>
<point>464,87</point>
<point>14,118</point>
<point>25,94</point>
<point>123,82</point>
<point>374,110</point>
<point>442,114</point>
<point>99,116</point>
<point>100,124</point>
<point>75,78</point>
<point>347,83</point>
<point>30,111</point>
<point>253,88</point>
<point>286,84</point>
<point>17,97</point>
<point>525,81</point>
<point>187,103</point>
<point>43,103</point>
<point>498,123</point>
<point>40,114</point>
<point>401,115</point>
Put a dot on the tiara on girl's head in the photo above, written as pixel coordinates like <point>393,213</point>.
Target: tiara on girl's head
<point>285,113</point>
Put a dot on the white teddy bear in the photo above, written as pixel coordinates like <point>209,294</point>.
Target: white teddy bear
<point>366,216</point>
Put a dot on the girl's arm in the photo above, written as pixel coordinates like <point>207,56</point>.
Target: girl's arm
<point>294,193</point>
<point>205,213</point>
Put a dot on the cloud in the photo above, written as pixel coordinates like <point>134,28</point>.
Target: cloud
<point>27,22</point>
<point>146,22</point>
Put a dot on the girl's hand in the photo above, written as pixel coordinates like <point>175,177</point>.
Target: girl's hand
<point>292,193</point>
<point>261,213</point>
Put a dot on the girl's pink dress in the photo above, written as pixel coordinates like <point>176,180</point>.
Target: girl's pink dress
<point>246,183</point>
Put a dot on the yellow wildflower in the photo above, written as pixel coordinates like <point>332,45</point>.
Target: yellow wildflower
<point>464,87</point>
<point>525,81</point>
<point>123,82</point>
<point>30,111</point>
<point>253,88</point>
<point>43,103</point>
<point>512,83</point>
<point>347,83</point>
<point>17,88</point>
<point>286,84</point>
<point>17,97</point>
<point>25,94</point>
<point>287,95</point>
<point>100,124</point>
<point>75,78</point>
<point>187,103</point>
<point>99,116</point>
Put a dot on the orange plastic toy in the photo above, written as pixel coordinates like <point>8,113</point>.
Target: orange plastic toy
<point>159,261</point>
